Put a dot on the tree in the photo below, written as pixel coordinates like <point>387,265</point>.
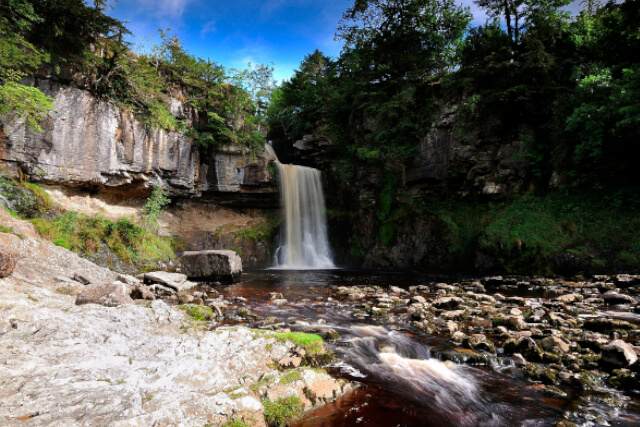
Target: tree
<point>395,50</point>
<point>301,105</point>
<point>518,14</point>
<point>18,57</point>
<point>402,39</point>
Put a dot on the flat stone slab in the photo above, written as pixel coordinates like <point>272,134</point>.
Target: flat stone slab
<point>176,281</point>
<point>220,265</point>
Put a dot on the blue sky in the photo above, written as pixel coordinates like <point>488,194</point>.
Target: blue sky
<point>236,32</point>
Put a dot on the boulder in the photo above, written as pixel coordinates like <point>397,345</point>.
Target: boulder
<point>555,344</point>
<point>220,265</point>
<point>110,295</point>
<point>447,303</point>
<point>612,297</point>
<point>142,292</point>
<point>175,281</point>
<point>569,298</point>
<point>8,260</point>
<point>618,354</point>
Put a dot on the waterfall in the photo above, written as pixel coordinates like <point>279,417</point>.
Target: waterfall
<point>304,244</point>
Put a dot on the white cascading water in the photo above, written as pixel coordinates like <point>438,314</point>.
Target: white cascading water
<point>303,238</point>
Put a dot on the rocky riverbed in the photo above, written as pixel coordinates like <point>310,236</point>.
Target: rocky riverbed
<point>573,343</point>
<point>82,345</point>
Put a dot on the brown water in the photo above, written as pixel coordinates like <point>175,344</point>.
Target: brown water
<point>403,380</point>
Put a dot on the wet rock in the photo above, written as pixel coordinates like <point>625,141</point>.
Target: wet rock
<point>459,337</point>
<point>111,295</point>
<point>447,302</point>
<point>451,327</point>
<point>626,280</point>
<point>518,359</point>
<point>555,344</point>
<point>569,298</point>
<point>223,265</point>
<point>492,281</point>
<point>624,379</point>
<point>480,342</point>
<point>143,292</point>
<point>455,315</point>
<point>537,372</point>
<point>618,354</point>
<point>529,349</point>
<point>593,341</point>
<point>603,324</point>
<point>612,297</point>
<point>186,299</point>
<point>320,387</point>
<point>446,287</point>
<point>8,260</point>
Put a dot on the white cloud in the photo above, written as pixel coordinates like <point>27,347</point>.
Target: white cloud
<point>209,27</point>
<point>165,8</point>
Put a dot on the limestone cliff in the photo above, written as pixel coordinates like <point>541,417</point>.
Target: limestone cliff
<point>95,144</point>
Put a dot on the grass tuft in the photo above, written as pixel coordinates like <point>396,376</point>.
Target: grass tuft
<point>283,412</point>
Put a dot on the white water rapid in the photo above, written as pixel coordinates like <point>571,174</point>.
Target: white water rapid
<point>304,244</point>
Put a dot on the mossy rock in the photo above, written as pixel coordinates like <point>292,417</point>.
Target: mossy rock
<point>198,312</point>
<point>536,372</point>
<point>624,379</point>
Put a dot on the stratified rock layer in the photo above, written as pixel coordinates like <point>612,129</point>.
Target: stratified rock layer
<point>92,143</point>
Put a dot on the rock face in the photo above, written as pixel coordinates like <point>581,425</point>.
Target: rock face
<point>222,265</point>
<point>8,260</point>
<point>92,143</point>
<point>482,167</point>
<point>112,295</point>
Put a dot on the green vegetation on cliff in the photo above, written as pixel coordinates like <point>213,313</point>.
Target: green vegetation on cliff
<point>567,87</point>
<point>121,241</point>
<point>72,41</point>
<point>568,232</point>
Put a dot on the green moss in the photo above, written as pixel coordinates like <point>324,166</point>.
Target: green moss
<point>282,412</point>
<point>312,343</point>
<point>235,423</point>
<point>198,312</point>
<point>525,233</point>
<point>255,387</point>
<point>290,377</point>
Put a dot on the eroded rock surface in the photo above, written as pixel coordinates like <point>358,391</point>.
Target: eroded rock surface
<point>137,364</point>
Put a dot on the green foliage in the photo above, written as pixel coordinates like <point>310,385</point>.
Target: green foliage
<point>525,234</point>
<point>291,377</point>
<point>81,233</point>
<point>44,199</point>
<point>154,206</point>
<point>261,232</point>
<point>17,58</point>
<point>74,38</point>
<point>283,412</point>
